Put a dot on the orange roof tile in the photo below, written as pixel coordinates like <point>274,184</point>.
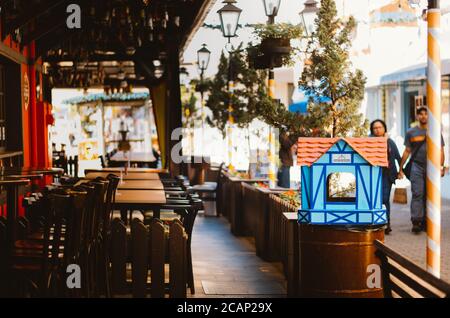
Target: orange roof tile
<point>372,149</point>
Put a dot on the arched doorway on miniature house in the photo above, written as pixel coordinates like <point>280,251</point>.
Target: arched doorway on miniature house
<point>341,180</point>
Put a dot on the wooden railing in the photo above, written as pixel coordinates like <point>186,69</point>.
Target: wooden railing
<point>69,164</point>
<point>11,159</point>
<point>402,278</point>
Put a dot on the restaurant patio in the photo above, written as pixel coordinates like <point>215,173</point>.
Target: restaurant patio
<point>105,194</point>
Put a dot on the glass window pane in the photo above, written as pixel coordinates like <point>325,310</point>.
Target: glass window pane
<point>341,187</point>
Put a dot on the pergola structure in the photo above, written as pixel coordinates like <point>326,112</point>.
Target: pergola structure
<point>120,44</point>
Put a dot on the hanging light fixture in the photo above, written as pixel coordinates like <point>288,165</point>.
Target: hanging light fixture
<point>414,3</point>
<point>123,84</point>
<point>229,18</point>
<point>203,56</point>
<point>121,75</point>
<point>130,50</point>
<point>308,16</point>
<point>184,76</point>
<point>271,7</point>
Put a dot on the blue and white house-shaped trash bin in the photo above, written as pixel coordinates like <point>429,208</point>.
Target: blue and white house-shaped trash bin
<point>341,180</point>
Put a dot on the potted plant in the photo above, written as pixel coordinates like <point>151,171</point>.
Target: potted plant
<point>274,48</point>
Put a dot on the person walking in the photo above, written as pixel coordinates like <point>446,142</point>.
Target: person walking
<point>378,128</point>
<point>415,143</point>
<point>288,147</point>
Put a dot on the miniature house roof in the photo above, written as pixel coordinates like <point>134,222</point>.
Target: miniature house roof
<point>372,149</point>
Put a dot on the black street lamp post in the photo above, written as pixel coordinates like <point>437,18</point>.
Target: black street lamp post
<point>229,20</point>
<point>308,16</point>
<point>203,57</point>
<point>271,7</point>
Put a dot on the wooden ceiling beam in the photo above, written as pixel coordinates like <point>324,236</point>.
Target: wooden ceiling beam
<point>61,33</point>
<point>42,30</point>
<point>32,13</point>
<point>93,58</point>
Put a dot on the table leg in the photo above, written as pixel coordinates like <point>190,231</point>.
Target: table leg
<point>12,195</point>
<point>124,216</point>
<point>157,212</point>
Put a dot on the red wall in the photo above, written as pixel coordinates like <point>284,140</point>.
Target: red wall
<point>34,116</point>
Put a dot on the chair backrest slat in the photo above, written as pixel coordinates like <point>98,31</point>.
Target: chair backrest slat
<point>177,260</point>
<point>139,258</point>
<point>59,205</point>
<point>157,247</point>
<point>118,257</point>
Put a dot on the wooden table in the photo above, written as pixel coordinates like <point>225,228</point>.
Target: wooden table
<point>31,170</point>
<point>140,200</point>
<point>129,176</point>
<point>133,157</point>
<point>141,185</point>
<point>31,176</point>
<point>31,186</point>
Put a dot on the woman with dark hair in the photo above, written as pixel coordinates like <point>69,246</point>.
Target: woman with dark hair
<point>378,129</point>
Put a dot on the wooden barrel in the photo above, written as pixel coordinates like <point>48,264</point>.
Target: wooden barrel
<point>334,261</point>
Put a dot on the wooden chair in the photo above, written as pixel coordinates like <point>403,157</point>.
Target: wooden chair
<point>40,264</point>
<point>94,239</point>
<point>72,229</point>
<point>105,234</point>
<point>72,166</point>
<point>149,247</point>
<point>410,280</point>
<point>208,191</point>
<point>188,213</point>
<point>3,255</point>
<point>102,161</point>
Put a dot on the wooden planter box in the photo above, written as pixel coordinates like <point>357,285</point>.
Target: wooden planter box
<point>256,216</point>
<point>291,257</point>
<point>236,208</point>
<point>277,237</point>
<point>252,206</point>
<point>231,203</point>
<point>227,195</point>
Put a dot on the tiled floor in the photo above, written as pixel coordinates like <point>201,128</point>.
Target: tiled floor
<point>227,266</point>
<point>413,246</point>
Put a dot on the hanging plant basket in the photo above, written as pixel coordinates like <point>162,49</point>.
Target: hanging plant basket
<point>256,58</point>
<point>276,46</point>
<point>270,53</point>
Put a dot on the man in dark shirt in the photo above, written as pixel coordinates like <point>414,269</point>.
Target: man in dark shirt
<point>287,149</point>
<point>415,143</point>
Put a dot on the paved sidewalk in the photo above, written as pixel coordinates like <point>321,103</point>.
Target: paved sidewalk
<point>227,266</point>
<point>413,246</point>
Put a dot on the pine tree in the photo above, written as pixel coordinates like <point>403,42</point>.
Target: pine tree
<point>248,86</point>
<point>328,73</point>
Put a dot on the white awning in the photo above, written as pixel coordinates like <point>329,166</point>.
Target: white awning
<point>416,72</point>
